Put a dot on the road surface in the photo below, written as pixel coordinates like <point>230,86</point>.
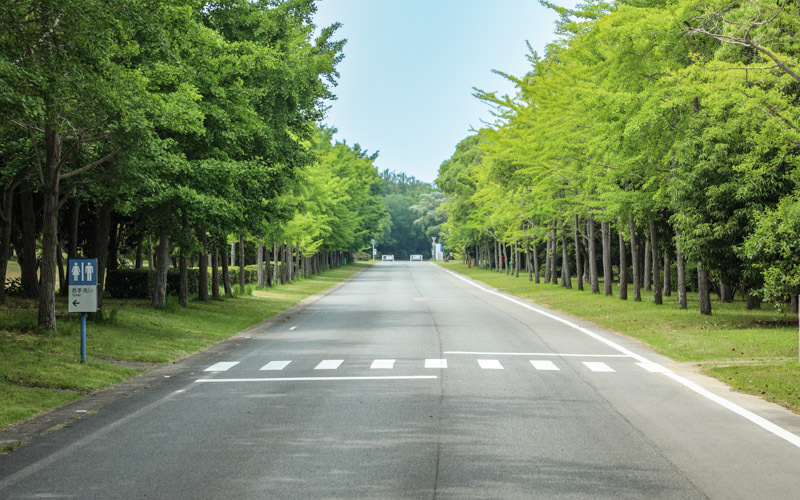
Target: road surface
<point>414,382</point>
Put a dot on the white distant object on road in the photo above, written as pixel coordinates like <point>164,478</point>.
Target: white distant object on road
<point>387,257</point>
<point>416,257</point>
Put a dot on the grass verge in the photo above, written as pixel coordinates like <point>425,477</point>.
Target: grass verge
<point>41,371</point>
<point>755,352</point>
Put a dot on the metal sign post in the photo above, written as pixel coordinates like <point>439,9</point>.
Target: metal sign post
<point>82,296</point>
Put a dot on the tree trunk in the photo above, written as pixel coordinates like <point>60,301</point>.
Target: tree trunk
<point>647,261</point>
<point>608,276</point>
<point>535,263</point>
<point>275,263</point>
<point>725,294</point>
<point>242,276</point>
<point>150,256</point>
<point>226,277</point>
<point>162,259</point>
<point>290,255</point>
<point>215,274</point>
<point>183,288</point>
<point>554,258</point>
<point>753,301</point>
<point>577,242</point>
<point>656,261</point>
<point>637,291</point>
<point>547,256</point>
<point>623,267</point>
<point>667,275</point>
<point>528,260</point>
<point>72,241</point>
<point>260,264</point>
<point>139,262</point>
<point>233,254</point>
<point>681,273</point>
<point>202,278</point>
<point>6,221</point>
<point>516,259</point>
<point>565,274</point>
<point>703,286</point>
<point>114,237</point>
<point>592,255</point>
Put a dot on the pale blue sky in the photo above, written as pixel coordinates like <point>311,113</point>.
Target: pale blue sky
<point>410,66</point>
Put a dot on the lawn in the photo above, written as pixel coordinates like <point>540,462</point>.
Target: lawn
<point>752,351</point>
<point>40,371</point>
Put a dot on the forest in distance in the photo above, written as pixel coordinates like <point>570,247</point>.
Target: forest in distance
<point>656,143</point>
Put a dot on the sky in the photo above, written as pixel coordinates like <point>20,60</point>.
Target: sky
<point>406,81</point>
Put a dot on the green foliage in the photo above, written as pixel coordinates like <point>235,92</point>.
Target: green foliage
<point>140,283</point>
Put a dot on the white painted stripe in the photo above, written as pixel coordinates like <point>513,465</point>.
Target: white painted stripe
<point>221,366</point>
<point>490,364</point>
<point>276,365</point>
<point>654,367</point>
<point>382,364</point>
<point>329,364</point>
<point>477,353</point>
<point>760,421</point>
<point>314,379</point>
<point>544,365</point>
<point>293,328</point>
<point>435,363</point>
<point>597,366</point>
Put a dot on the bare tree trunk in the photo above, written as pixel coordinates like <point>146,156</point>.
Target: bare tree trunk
<point>592,255</point>
<point>725,292</point>
<point>72,242</point>
<point>554,258</point>
<point>703,286</point>
<point>150,257</point>
<point>7,219</point>
<point>647,261</point>
<point>565,273</point>
<point>667,275</point>
<point>535,263</point>
<point>162,258</point>
<point>242,280</point>
<point>202,265</point>
<point>215,274</point>
<point>516,259</point>
<point>681,273</point>
<point>753,301</point>
<point>608,276</point>
<point>260,264</point>
<point>656,261</point>
<point>548,256</point>
<point>637,291</point>
<point>233,254</point>
<point>275,263</point>
<point>226,277</point>
<point>183,286</point>
<point>577,242</point>
<point>623,267</point>
<point>100,244</point>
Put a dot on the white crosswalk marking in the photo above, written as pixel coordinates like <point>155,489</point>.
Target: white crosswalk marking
<point>544,365</point>
<point>222,366</point>
<point>490,364</point>
<point>435,363</point>
<point>329,364</point>
<point>382,364</point>
<point>276,365</point>
<point>597,366</point>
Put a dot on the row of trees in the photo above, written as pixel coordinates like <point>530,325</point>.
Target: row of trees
<point>183,123</point>
<point>675,125</point>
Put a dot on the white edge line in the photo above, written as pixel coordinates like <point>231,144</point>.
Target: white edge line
<point>313,379</point>
<point>752,417</point>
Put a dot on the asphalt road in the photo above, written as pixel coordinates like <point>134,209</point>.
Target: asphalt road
<point>413,382</point>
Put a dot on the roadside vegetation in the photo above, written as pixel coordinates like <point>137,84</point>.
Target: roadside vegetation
<point>753,351</point>
<point>41,370</point>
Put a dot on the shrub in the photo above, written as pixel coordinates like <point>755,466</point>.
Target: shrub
<point>139,283</point>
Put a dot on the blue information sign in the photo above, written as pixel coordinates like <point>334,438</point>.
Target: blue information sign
<point>82,272</point>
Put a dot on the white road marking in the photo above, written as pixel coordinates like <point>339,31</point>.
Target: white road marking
<point>597,366</point>
<point>654,367</point>
<point>275,365</point>
<point>544,365</point>
<point>382,364</point>
<point>293,328</point>
<point>222,366</point>
<point>314,379</point>
<point>435,363</point>
<point>329,364</point>
<point>490,364</point>
<point>752,417</point>
<point>477,353</point>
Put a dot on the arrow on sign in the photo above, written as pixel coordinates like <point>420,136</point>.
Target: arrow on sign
<point>75,303</point>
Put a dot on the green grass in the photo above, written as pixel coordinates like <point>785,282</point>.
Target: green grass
<point>753,351</point>
<point>40,371</point>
